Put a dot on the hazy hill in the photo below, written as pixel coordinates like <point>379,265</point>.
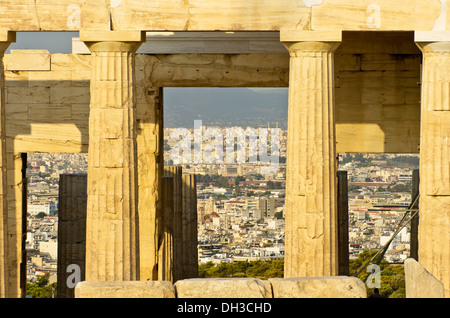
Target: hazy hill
<point>225,107</point>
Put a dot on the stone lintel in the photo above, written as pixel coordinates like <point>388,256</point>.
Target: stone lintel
<point>310,36</point>
<point>203,42</point>
<point>234,288</point>
<point>125,289</point>
<point>223,288</point>
<point>112,36</point>
<point>318,287</point>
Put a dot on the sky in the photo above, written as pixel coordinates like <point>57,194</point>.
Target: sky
<point>54,42</point>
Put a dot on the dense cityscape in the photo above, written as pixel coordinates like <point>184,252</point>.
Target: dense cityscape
<point>240,209</point>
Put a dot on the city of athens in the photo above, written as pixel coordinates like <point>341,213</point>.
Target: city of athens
<point>216,157</point>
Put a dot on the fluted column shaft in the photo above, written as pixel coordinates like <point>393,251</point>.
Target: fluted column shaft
<point>112,241</point>
<point>3,203</point>
<point>150,171</point>
<point>189,253</point>
<point>311,180</point>
<point>434,203</point>
<point>9,265</point>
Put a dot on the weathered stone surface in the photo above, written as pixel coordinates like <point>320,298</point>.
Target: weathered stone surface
<point>112,228</point>
<point>223,288</point>
<point>211,15</point>
<point>71,230</point>
<point>420,283</point>
<point>176,172</point>
<point>311,181</point>
<point>125,289</point>
<point>232,15</point>
<point>434,225</point>
<point>27,60</point>
<point>9,267</point>
<point>149,139</point>
<point>165,235</point>
<point>376,15</point>
<point>189,253</point>
<point>318,287</point>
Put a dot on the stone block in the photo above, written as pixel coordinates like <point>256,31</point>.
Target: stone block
<point>318,287</point>
<point>124,289</point>
<point>223,288</point>
<point>76,95</point>
<point>420,283</point>
<point>28,95</point>
<point>49,112</point>
<point>28,60</point>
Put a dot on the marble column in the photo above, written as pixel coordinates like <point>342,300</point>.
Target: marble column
<point>434,187</point>
<point>71,233</point>
<point>189,251</point>
<point>311,239</point>
<point>166,234</point>
<point>150,141</point>
<point>176,172</point>
<point>112,236</point>
<point>9,264</point>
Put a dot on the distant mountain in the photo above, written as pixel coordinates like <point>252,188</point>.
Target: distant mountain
<point>225,107</point>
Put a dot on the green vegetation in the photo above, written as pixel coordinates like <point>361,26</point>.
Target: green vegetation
<point>41,288</point>
<point>41,215</point>
<point>392,276</point>
<point>278,215</point>
<point>218,180</point>
<point>404,161</point>
<point>258,269</point>
<point>273,185</point>
<point>362,160</point>
<point>400,187</point>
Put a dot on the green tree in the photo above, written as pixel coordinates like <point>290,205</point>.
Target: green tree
<point>352,187</point>
<point>278,215</point>
<point>41,215</point>
<point>237,190</point>
<point>400,293</point>
<point>258,269</point>
<point>239,179</point>
<point>392,277</point>
<point>41,288</point>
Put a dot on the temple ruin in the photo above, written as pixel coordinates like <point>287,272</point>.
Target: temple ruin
<point>363,76</point>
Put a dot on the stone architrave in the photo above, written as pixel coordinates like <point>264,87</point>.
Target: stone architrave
<point>311,182</point>
<point>112,236</point>
<point>6,289</point>
<point>434,187</point>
